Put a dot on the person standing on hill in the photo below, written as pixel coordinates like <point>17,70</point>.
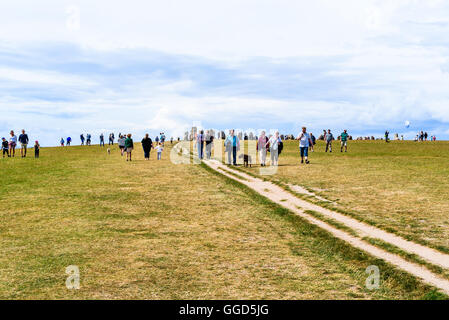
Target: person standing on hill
<point>313,139</point>
<point>200,144</point>
<point>304,143</point>
<point>121,144</point>
<point>129,146</point>
<point>12,144</point>
<point>387,139</point>
<point>329,139</point>
<point>147,144</point>
<point>82,139</point>
<point>344,140</point>
<point>274,144</point>
<point>262,148</point>
<point>157,140</point>
<point>5,148</point>
<point>62,142</point>
<point>37,148</point>
<point>233,142</point>
<point>111,139</point>
<point>102,140</point>
<point>209,144</point>
<point>69,141</point>
<point>89,139</point>
<point>159,148</point>
<point>23,139</point>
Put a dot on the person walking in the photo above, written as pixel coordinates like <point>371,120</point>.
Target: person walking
<point>111,139</point>
<point>5,147</point>
<point>312,146</point>
<point>37,148</point>
<point>129,146</point>
<point>304,143</point>
<point>200,144</point>
<point>121,144</point>
<point>274,143</point>
<point>233,141</point>
<point>344,140</point>
<point>12,144</point>
<point>209,144</point>
<point>88,139</point>
<point>62,142</point>
<point>387,134</point>
<point>159,148</point>
<point>261,147</point>
<point>147,144</point>
<point>329,139</point>
<point>68,141</point>
<point>102,140</point>
<point>23,139</point>
<point>82,139</point>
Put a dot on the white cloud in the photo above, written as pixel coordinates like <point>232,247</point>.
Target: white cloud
<point>369,64</point>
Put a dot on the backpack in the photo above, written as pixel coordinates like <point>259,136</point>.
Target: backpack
<point>280,147</point>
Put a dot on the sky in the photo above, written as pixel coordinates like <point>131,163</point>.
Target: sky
<point>72,67</point>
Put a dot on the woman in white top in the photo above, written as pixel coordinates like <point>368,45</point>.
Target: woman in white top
<point>12,143</point>
<point>274,142</point>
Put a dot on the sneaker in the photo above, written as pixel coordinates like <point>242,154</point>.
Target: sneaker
<point>307,161</point>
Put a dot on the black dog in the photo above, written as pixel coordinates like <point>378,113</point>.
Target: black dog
<point>247,161</point>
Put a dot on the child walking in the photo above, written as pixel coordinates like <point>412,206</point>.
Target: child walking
<point>36,149</point>
<point>159,150</point>
<point>5,147</point>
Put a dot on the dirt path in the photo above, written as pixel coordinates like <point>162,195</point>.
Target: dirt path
<point>299,206</point>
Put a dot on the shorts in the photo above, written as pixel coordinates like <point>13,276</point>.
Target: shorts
<point>344,143</point>
<point>304,151</point>
<point>129,150</point>
<point>12,144</point>
<point>24,145</point>
<point>121,147</point>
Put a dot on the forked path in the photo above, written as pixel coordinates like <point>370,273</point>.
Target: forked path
<point>299,206</point>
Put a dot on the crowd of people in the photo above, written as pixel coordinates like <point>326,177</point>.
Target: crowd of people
<point>265,144</point>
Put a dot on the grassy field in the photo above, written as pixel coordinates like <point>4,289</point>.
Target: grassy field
<point>401,186</point>
<point>156,230</point>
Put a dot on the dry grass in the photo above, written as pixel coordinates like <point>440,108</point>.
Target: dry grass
<point>155,230</point>
<point>401,187</point>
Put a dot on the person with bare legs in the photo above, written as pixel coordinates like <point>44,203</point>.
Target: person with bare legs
<point>23,139</point>
<point>129,145</point>
<point>12,144</point>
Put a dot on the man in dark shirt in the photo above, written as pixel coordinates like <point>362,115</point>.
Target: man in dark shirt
<point>5,147</point>
<point>23,139</point>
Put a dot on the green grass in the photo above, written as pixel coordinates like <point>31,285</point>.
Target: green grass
<point>401,187</point>
<point>155,230</point>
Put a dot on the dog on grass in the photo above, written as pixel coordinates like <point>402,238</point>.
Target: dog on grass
<point>109,151</point>
<point>247,161</point>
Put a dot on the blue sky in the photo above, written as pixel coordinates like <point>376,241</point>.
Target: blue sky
<point>68,67</point>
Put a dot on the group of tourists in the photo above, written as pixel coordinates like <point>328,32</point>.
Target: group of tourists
<point>424,136</point>
<point>272,144</point>
<point>9,146</point>
<point>126,145</point>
